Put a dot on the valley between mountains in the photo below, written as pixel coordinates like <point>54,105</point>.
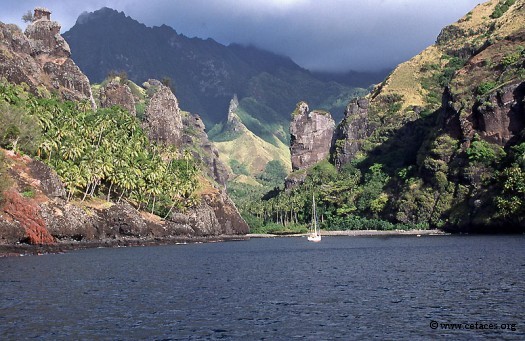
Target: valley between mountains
<point>164,138</point>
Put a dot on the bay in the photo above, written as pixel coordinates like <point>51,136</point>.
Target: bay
<point>395,287</point>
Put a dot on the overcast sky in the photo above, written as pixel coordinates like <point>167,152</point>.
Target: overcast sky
<point>330,35</point>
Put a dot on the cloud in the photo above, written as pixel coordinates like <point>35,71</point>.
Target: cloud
<point>333,35</point>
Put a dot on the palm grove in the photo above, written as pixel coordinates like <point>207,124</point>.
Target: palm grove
<point>103,153</point>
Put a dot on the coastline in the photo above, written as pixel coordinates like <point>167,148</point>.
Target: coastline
<point>13,250</point>
<point>357,233</point>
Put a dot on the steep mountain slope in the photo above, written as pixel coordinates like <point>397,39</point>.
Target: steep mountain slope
<point>447,125</point>
<point>246,153</point>
<point>439,143</point>
<point>204,73</point>
<point>99,174</point>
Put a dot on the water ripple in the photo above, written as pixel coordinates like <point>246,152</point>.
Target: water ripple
<point>269,289</point>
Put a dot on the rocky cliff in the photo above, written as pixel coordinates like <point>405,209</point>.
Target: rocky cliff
<point>46,217</point>
<point>311,135</point>
<point>163,120</point>
<point>40,58</point>
<point>195,139</point>
<point>445,128</point>
<point>438,144</point>
<point>34,207</point>
<point>486,95</point>
<point>350,134</point>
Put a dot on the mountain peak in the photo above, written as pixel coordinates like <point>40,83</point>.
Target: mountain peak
<point>103,14</point>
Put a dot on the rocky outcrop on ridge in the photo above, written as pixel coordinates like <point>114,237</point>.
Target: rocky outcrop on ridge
<point>233,122</point>
<point>116,93</point>
<point>163,120</point>
<point>40,57</point>
<point>349,135</point>
<point>167,124</point>
<point>194,135</point>
<point>311,136</point>
<point>502,116</point>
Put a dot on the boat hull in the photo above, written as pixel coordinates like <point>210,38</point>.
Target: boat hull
<point>316,238</point>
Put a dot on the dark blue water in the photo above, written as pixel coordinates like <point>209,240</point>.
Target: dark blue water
<point>274,289</point>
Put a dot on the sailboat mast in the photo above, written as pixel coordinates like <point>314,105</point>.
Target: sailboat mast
<point>314,214</point>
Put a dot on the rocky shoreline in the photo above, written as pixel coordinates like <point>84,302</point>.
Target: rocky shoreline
<point>20,249</point>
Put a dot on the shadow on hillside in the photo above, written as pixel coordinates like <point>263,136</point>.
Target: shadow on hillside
<point>401,148</point>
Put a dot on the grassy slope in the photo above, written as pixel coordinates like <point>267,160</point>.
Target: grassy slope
<point>254,152</point>
<point>407,77</point>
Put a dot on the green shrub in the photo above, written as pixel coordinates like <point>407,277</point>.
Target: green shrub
<point>28,193</point>
<point>501,8</point>
<point>238,168</point>
<point>511,202</point>
<point>19,131</point>
<point>483,151</point>
<point>486,87</point>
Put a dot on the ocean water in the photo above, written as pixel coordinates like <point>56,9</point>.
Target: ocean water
<point>344,288</point>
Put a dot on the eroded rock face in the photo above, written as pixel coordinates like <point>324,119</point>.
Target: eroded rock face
<point>163,118</point>
<point>351,132</point>
<point>16,63</point>
<point>195,134</point>
<point>27,213</point>
<point>48,218</point>
<point>216,209</point>
<point>502,116</point>
<point>498,119</point>
<point>233,122</point>
<point>115,93</point>
<point>10,231</point>
<point>50,183</point>
<point>41,57</point>
<point>126,221</point>
<point>69,222</point>
<point>311,136</point>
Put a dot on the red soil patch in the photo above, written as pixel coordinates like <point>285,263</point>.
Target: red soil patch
<point>27,213</point>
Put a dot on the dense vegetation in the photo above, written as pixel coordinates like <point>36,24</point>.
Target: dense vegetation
<point>101,153</point>
<point>4,179</point>
<point>435,156</point>
<point>425,192</point>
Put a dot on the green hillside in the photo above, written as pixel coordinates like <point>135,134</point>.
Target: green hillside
<point>444,141</point>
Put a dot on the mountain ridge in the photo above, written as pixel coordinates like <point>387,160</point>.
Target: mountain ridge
<point>205,74</point>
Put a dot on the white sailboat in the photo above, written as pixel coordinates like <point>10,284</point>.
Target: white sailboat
<point>315,230</point>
